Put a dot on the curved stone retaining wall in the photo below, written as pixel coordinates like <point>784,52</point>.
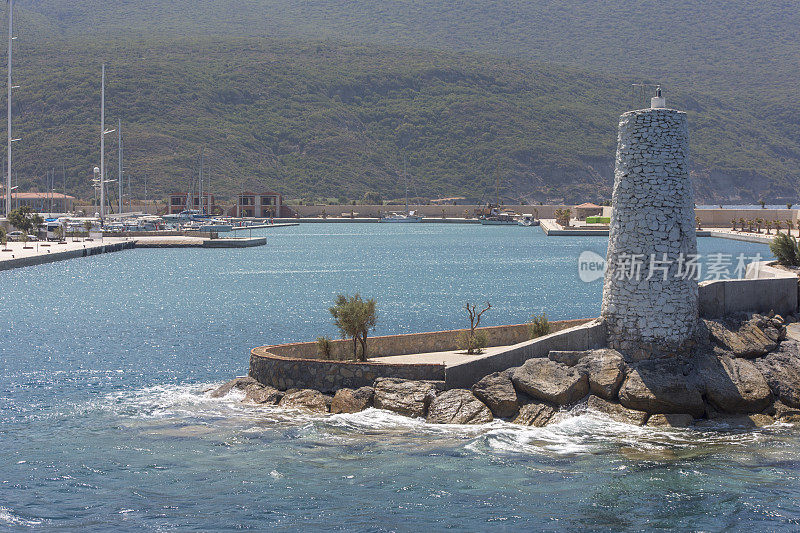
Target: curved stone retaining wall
<point>297,365</point>
<point>328,376</point>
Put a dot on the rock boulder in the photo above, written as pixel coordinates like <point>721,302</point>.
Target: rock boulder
<point>781,369</point>
<point>498,393</point>
<point>670,420</point>
<point>617,412</point>
<point>536,414</point>
<point>458,406</point>
<point>551,381</point>
<point>661,386</point>
<point>240,383</point>
<point>405,397</point>
<point>605,369</point>
<point>733,385</point>
<point>259,393</point>
<point>352,400</point>
<point>307,399</point>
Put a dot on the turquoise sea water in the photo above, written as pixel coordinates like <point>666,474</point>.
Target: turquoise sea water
<point>105,423</point>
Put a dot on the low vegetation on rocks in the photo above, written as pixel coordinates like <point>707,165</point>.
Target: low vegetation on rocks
<point>744,372</point>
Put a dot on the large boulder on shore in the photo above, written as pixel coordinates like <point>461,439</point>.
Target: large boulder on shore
<point>240,383</point>
<point>536,414</point>
<point>661,386</point>
<point>258,393</point>
<point>550,381</point>
<point>671,420</point>
<point>498,393</point>
<point>605,369</point>
<point>733,385</point>
<point>458,406</point>
<point>307,399</point>
<point>781,369</point>
<point>616,411</point>
<point>746,338</point>
<point>405,397</point>
<point>352,400</point>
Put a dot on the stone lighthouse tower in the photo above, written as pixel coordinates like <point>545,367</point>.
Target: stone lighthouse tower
<point>650,294</point>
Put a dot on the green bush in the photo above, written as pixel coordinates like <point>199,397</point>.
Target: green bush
<point>472,343</point>
<point>538,326</point>
<point>324,348</point>
<point>354,318</point>
<point>784,247</point>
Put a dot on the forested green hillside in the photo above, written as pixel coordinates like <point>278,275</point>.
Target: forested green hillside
<point>311,116</point>
<point>331,120</point>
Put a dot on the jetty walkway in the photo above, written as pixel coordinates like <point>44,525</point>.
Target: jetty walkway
<point>18,254</point>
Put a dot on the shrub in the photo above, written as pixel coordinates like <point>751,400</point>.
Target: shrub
<point>538,326</point>
<point>785,248</point>
<point>562,217</point>
<point>355,317</point>
<point>324,348</point>
<point>472,343</point>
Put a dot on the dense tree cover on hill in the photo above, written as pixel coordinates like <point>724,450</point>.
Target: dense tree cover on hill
<point>331,120</point>
<point>721,45</point>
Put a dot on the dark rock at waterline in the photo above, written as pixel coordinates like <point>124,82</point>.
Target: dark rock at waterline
<point>616,411</point>
<point>781,369</point>
<point>240,383</point>
<point>661,386</point>
<point>605,369</point>
<point>671,420</point>
<point>757,420</point>
<point>566,357</point>
<point>551,381</point>
<point>458,406</point>
<point>307,399</point>
<point>405,397</point>
<point>533,413</point>
<point>498,393</point>
<point>352,400</point>
<point>784,413</point>
<point>747,339</point>
<point>258,393</point>
<point>733,385</point>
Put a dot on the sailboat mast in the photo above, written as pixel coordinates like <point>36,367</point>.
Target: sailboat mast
<point>200,201</point>
<point>103,144</point>
<point>405,175</point>
<point>119,164</point>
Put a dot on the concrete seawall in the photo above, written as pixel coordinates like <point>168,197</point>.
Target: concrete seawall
<point>53,255</point>
<point>764,289</point>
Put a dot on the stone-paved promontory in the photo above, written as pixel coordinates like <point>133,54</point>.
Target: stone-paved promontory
<point>743,371</point>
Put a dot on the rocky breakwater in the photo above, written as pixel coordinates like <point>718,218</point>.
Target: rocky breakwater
<point>743,372</point>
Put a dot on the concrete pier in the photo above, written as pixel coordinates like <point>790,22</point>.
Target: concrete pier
<point>23,255</point>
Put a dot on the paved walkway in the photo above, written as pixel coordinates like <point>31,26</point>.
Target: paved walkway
<point>37,253</point>
<point>449,358</point>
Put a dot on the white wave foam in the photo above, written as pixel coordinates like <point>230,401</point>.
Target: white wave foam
<point>573,432</point>
<point>8,517</point>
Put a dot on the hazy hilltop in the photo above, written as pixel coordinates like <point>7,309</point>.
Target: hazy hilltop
<point>741,42</point>
<point>275,93</point>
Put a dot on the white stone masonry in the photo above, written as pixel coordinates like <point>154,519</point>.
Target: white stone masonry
<point>650,295</point>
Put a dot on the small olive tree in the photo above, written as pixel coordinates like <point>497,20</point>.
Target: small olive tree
<point>471,341</point>
<point>355,318</point>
